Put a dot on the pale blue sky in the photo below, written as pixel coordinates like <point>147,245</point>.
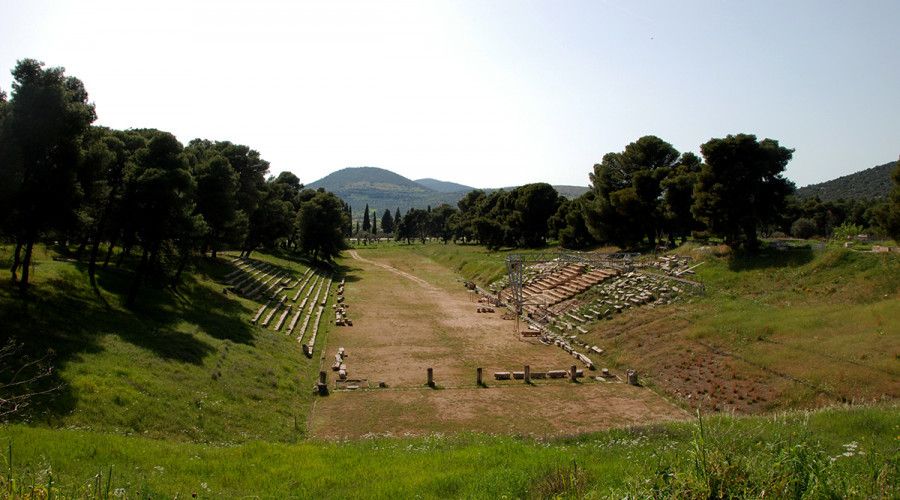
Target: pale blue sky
<point>486,93</point>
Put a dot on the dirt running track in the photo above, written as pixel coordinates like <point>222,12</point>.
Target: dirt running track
<point>411,314</point>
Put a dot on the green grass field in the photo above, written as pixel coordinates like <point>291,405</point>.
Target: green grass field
<point>183,395</point>
<point>837,453</point>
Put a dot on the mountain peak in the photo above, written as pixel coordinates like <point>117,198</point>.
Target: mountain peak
<point>364,177</point>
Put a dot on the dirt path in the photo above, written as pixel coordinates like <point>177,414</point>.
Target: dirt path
<point>400,330</point>
<point>392,269</point>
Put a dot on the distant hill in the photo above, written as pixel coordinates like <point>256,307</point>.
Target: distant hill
<point>872,183</point>
<point>444,186</point>
<point>381,189</point>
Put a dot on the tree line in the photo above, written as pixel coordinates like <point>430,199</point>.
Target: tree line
<point>370,223</point>
<point>650,194</point>
<point>518,217</point>
<point>141,190</point>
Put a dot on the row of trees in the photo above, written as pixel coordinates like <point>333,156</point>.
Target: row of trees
<point>814,218</point>
<point>649,192</point>
<point>370,226</point>
<point>66,180</point>
<point>645,194</point>
<point>518,217</point>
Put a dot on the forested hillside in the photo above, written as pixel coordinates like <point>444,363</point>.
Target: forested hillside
<point>871,183</point>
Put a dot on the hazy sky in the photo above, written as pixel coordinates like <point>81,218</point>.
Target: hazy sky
<point>486,93</point>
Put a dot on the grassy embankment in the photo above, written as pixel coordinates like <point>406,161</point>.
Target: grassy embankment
<point>185,365</point>
<point>837,453</point>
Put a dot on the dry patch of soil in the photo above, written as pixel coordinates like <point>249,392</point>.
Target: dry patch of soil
<point>551,409</point>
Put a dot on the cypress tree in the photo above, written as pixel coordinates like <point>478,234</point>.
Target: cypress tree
<point>366,226</point>
<point>387,222</point>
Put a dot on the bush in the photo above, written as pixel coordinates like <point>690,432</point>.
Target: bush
<point>721,463</point>
<point>803,228</point>
<point>846,231</point>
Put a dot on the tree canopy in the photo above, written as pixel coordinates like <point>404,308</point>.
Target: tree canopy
<point>519,217</point>
<point>141,189</point>
<point>320,223</point>
<point>628,203</point>
<point>740,186</point>
<point>43,123</point>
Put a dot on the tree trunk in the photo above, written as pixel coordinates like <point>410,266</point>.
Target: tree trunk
<point>126,251</point>
<point>752,242</point>
<point>26,263</point>
<point>92,261</point>
<point>109,251</point>
<point>15,266</point>
<point>138,277</point>
<point>81,246</point>
<point>182,263</point>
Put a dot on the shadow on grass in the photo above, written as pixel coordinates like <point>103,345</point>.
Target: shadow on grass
<point>350,274</point>
<point>217,270</point>
<point>339,271</point>
<point>64,316</point>
<point>771,258</point>
<point>159,308</point>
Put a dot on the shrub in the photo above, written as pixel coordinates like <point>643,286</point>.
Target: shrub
<point>846,231</point>
<point>803,228</point>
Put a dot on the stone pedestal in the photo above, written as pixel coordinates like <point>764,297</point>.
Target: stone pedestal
<point>322,385</point>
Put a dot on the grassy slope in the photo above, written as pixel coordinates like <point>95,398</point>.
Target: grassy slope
<point>741,452</point>
<point>183,366</point>
<point>808,326</point>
